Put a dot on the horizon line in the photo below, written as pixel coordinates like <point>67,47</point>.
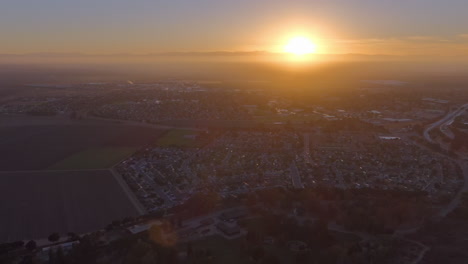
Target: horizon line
<point>175,53</point>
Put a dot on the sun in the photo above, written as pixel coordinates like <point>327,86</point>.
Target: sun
<point>300,46</point>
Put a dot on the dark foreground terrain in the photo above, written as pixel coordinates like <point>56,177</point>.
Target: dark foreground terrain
<point>447,239</point>
<point>35,204</point>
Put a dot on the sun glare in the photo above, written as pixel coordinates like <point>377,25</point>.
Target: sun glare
<point>300,46</point>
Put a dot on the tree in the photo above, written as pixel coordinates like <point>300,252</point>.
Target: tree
<point>72,236</point>
<point>189,249</point>
<point>270,259</point>
<point>52,259</point>
<point>251,235</point>
<point>85,251</point>
<point>302,258</point>
<point>257,253</point>
<point>31,245</point>
<point>54,237</point>
<point>60,256</point>
<point>30,259</point>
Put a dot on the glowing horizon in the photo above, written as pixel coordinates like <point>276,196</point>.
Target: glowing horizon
<point>145,27</point>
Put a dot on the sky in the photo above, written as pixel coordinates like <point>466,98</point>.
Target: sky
<point>401,27</point>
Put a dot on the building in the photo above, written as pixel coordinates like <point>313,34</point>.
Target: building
<point>233,214</point>
<point>229,229</point>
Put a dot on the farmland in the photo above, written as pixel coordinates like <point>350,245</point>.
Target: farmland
<point>182,138</point>
<point>94,158</point>
<point>34,204</point>
<point>38,147</point>
<point>55,177</point>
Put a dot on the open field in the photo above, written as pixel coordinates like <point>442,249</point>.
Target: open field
<point>37,147</point>
<point>35,204</point>
<point>94,158</point>
<point>270,120</point>
<point>213,124</point>
<point>181,138</point>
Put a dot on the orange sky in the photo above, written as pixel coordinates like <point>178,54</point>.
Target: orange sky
<point>394,27</point>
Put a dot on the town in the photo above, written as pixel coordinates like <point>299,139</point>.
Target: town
<point>227,162</point>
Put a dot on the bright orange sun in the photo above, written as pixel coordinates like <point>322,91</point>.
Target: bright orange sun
<point>300,46</point>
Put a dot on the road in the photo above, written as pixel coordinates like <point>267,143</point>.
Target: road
<point>296,177</point>
<point>307,148</point>
<point>446,130</point>
<point>424,250</point>
<point>445,210</point>
<point>448,118</point>
<point>131,196</point>
<point>456,200</point>
<point>462,163</point>
<point>157,188</point>
<point>442,124</point>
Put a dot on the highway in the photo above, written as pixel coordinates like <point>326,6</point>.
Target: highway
<point>442,122</point>
<point>456,200</point>
<point>462,163</point>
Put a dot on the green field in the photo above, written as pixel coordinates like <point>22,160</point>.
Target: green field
<point>265,119</point>
<point>181,138</point>
<point>94,158</point>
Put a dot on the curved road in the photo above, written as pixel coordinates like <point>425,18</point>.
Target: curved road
<point>449,117</point>
<point>462,163</point>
